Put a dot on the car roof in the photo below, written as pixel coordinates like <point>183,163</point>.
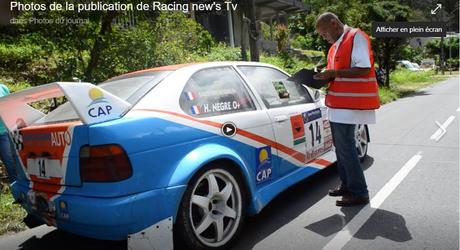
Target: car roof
<point>184,65</point>
<point>150,70</point>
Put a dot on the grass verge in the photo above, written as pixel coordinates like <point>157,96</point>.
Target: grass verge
<point>404,82</point>
<point>11,215</point>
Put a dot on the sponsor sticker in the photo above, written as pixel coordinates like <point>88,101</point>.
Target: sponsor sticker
<point>327,142</point>
<point>311,115</point>
<point>264,164</point>
<point>298,129</point>
<point>63,210</point>
<point>99,105</point>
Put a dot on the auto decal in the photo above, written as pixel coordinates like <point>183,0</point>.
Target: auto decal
<point>311,115</point>
<point>299,158</point>
<point>327,135</point>
<point>263,164</point>
<point>298,130</point>
<point>43,159</point>
<point>16,137</point>
<point>99,106</point>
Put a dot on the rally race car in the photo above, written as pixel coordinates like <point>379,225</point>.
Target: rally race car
<point>184,150</point>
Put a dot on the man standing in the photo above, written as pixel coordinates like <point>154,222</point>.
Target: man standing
<point>352,98</point>
<point>6,155</point>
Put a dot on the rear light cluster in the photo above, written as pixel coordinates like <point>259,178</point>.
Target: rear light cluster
<point>106,163</point>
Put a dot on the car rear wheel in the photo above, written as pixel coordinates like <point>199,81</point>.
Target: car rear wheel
<point>212,210</point>
<point>362,141</point>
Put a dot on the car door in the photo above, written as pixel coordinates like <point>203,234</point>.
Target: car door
<point>219,95</point>
<point>300,124</point>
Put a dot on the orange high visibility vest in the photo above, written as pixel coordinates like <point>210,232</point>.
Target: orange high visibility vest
<point>351,92</point>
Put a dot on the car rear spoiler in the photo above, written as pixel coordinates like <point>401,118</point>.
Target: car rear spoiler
<point>92,103</point>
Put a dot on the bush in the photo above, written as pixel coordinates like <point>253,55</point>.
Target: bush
<point>221,52</point>
<point>387,95</point>
<point>14,57</point>
<point>453,63</point>
<point>15,86</point>
<point>127,50</point>
<point>290,65</point>
<point>402,76</point>
<point>282,38</point>
<point>178,37</point>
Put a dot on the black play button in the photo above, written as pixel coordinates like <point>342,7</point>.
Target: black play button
<point>228,129</point>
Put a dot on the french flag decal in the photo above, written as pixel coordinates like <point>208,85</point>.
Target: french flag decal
<point>196,110</point>
<point>190,95</point>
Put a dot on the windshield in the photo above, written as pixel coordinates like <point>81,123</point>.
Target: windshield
<point>130,89</point>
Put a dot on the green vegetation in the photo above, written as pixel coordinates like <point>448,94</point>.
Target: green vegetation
<point>405,82</point>
<point>290,66</point>
<point>11,215</point>
<point>407,77</point>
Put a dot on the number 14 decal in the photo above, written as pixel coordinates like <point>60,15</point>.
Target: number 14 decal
<point>41,167</point>
<point>316,131</point>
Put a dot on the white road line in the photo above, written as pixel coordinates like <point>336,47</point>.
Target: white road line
<point>346,234</point>
<point>442,130</point>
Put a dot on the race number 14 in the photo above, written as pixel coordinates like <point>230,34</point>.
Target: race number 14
<point>315,133</point>
<point>41,167</point>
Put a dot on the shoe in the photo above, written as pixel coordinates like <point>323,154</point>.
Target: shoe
<point>350,199</point>
<point>338,191</point>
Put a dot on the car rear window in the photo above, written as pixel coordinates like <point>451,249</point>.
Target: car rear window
<point>130,89</point>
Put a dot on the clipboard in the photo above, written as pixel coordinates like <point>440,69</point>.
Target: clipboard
<point>305,77</point>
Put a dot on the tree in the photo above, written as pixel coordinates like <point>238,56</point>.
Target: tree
<point>106,28</point>
<point>102,46</point>
<point>388,49</point>
<point>451,50</point>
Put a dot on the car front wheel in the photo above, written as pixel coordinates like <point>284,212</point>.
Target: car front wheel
<point>212,209</point>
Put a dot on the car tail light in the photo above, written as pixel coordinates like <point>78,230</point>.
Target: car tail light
<point>106,163</point>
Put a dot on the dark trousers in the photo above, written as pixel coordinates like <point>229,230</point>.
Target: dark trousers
<point>348,164</point>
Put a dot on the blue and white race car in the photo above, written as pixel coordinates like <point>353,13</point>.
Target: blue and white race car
<point>184,150</point>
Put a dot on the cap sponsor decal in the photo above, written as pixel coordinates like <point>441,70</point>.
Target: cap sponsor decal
<point>263,164</point>
<point>99,106</point>
<point>63,210</point>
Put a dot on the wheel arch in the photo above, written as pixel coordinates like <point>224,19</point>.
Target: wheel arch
<point>205,155</point>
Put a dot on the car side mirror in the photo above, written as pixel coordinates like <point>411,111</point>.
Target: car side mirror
<point>316,95</point>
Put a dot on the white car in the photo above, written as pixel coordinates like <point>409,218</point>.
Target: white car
<point>190,149</point>
<point>410,65</point>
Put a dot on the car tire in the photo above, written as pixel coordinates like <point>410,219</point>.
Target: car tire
<point>212,210</point>
<point>31,222</point>
<point>362,141</point>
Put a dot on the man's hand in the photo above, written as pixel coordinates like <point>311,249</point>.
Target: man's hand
<point>325,75</point>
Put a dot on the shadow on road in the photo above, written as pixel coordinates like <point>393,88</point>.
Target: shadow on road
<point>289,205</point>
<point>391,226</point>
<point>59,240</point>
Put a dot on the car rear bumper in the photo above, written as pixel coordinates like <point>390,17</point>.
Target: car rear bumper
<point>104,218</point>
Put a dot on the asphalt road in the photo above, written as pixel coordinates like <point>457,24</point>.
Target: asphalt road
<point>412,177</point>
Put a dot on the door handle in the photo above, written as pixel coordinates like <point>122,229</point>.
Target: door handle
<point>281,118</point>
